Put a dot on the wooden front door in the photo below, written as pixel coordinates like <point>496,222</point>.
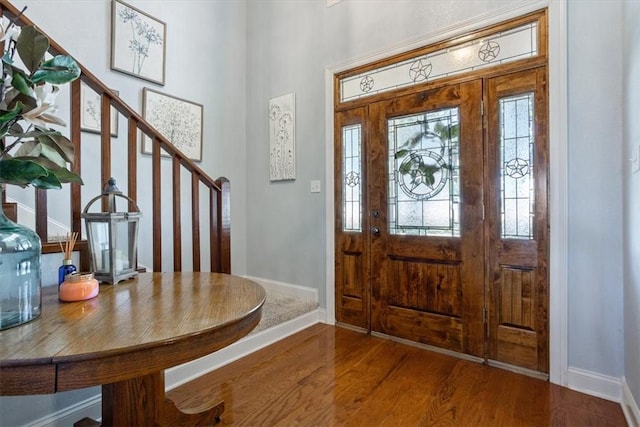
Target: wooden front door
<point>426,195</point>
<point>441,218</point>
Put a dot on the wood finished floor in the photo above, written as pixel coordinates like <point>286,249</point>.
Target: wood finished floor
<point>331,376</point>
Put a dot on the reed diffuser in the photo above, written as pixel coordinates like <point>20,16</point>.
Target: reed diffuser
<point>67,266</point>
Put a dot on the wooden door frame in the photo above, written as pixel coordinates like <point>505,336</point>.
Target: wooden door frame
<point>558,153</point>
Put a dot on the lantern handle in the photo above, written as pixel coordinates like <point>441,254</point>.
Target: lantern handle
<point>110,190</point>
<point>111,187</point>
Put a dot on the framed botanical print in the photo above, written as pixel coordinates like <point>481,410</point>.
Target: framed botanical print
<point>90,115</point>
<point>178,120</point>
<point>138,43</point>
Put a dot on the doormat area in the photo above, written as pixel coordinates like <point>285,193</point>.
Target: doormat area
<point>279,308</point>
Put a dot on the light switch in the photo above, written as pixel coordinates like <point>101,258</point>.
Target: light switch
<point>315,186</point>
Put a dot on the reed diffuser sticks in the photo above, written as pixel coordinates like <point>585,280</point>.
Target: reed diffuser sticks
<point>69,243</point>
<point>67,266</point>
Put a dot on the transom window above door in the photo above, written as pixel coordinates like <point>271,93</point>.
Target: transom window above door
<point>463,54</point>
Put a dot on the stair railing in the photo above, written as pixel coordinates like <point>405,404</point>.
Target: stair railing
<point>216,211</point>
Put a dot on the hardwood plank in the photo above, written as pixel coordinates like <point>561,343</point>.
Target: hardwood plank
<point>331,376</point>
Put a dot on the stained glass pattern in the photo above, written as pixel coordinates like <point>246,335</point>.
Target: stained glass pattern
<point>499,48</point>
<point>517,163</point>
<point>424,177</point>
<point>351,178</point>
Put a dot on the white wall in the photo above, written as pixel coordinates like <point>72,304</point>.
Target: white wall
<point>631,174</point>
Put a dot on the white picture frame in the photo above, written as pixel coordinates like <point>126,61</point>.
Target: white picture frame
<point>282,138</point>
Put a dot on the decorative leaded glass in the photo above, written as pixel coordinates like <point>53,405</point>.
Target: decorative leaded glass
<point>499,48</point>
<point>424,176</point>
<point>351,178</point>
<point>516,166</point>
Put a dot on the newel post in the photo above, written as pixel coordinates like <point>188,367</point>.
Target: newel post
<point>224,226</point>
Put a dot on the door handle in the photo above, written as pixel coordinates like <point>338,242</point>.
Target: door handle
<point>375,231</point>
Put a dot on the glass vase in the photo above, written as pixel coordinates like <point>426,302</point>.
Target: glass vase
<point>20,273</point>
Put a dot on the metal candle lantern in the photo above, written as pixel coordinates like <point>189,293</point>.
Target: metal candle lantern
<point>112,237</point>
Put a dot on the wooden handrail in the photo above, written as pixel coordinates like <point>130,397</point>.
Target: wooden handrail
<point>219,191</point>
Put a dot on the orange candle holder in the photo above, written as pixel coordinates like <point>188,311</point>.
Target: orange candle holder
<point>78,287</point>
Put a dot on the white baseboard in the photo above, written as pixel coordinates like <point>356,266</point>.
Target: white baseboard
<point>91,408</point>
<point>27,216</point>
<point>630,405</point>
<point>603,386</point>
<point>296,291</point>
<point>182,374</point>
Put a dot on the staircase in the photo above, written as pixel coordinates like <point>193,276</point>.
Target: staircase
<point>207,228</point>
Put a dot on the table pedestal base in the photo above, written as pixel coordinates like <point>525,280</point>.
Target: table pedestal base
<point>141,402</point>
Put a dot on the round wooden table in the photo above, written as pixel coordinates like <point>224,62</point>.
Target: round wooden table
<point>125,338</point>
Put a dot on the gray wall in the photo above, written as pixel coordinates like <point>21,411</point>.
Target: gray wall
<point>205,64</point>
<point>206,43</point>
<point>631,103</point>
<point>595,187</point>
<point>290,44</point>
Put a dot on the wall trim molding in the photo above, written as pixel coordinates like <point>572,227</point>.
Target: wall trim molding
<point>289,289</point>
<point>90,407</point>
<point>182,374</point>
<point>595,384</point>
<point>630,405</point>
<point>558,151</point>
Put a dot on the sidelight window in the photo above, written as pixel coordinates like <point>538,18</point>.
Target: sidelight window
<point>352,178</point>
<point>517,166</point>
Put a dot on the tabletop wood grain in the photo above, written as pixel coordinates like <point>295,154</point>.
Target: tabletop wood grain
<point>137,327</point>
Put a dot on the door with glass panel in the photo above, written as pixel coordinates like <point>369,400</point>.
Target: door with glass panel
<point>441,176</point>
<point>441,218</point>
<point>426,203</point>
<point>517,219</point>
<point>352,283</point>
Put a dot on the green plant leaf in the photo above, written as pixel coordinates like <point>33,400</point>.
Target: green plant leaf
<point>58,70</point>
<point>20,84</point>
<point>64,175</point>
<point>412,141</point>
<point>60,143</point>
<point>29,149</point>
<point>7,59</point>
<point>18,132</point>
<point>401,153</point>
<point>405,168</point>
<point>6,117</point>
<point>454,131</point>
<point>27,102</point>
<point>50,153</point>
<point>428,173</point>
<point>31,46</point>
<point>20,172</point>
<point>47,182</point>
